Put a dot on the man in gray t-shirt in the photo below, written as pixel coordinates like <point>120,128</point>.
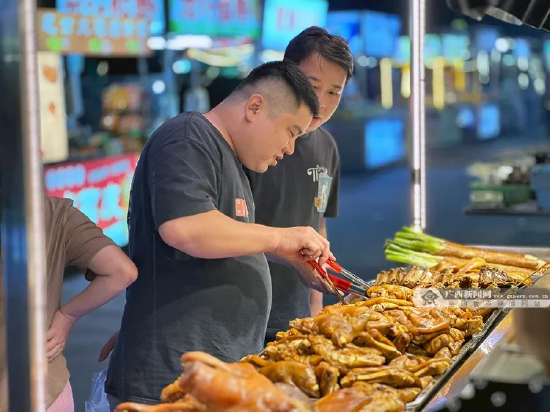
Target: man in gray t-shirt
<point>203,281</point>
<point>303,188</point>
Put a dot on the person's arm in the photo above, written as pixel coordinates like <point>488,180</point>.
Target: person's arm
<point>315,297</point>
<point>88,248</point>
<point>212,235</point>
<point>114,273</point>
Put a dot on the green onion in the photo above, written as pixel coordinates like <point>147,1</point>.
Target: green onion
<point>415,248</point>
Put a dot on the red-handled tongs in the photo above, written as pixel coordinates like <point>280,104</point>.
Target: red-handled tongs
<point>347,274</point>
<point>340,284</point>
<point>328,278</point>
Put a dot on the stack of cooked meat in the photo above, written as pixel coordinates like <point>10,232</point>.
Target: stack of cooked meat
<point>457,273</point>
<point>376,354</point>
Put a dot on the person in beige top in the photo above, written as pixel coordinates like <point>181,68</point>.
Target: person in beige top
<point>71,240</point>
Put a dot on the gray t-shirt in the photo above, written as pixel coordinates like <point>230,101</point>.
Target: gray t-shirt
<point>180,303</point>
<point>299,191</point>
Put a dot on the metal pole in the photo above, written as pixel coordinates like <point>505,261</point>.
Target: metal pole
<point>22,209</point>
<point>418,113</point>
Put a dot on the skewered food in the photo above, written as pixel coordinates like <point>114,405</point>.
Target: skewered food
<point>417,248</point>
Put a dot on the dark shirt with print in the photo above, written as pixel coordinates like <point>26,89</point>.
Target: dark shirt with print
<point>299,191</point>
<point>180,303</point>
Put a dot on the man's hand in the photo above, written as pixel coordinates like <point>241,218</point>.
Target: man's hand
<point>310,277</point>
<point>108,347</point>
<point>302,244</point>
<point>56,337</point>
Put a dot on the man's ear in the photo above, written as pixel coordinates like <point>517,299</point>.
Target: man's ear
<point>254,105</point>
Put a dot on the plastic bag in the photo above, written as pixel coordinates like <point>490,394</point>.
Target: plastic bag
<point>98,401</point>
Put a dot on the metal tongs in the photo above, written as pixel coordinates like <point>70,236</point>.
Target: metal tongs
<point>356,285</point>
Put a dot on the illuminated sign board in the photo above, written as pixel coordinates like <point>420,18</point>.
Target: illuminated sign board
<point>348,25</point>
<point>215,18</point>
<point>99,188</point>
<point>71,33</point>
<point>380,32</point>
<point>284,19</point>
<point>150,10</point>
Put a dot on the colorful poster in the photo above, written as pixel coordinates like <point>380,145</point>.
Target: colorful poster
<point>53,117</point>
<point>99,188</point>
<point>91,36</point>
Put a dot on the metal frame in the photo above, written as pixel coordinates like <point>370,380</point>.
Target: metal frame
<point>22,208</point>
<point>417,9</point>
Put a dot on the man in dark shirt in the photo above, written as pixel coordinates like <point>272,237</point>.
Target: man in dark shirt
<point>204,282</point>
<point>303,189</point>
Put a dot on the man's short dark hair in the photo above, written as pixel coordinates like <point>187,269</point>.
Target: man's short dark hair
<point>299,88</point>
<point>330,47</point>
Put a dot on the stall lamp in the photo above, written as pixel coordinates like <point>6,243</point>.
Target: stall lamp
<point>386,83</point>
<point>438,83</point>
<point>406,81</point>
<point>459,75</point>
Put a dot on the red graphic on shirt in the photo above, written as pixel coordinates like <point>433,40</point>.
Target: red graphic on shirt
<point>240,208</point>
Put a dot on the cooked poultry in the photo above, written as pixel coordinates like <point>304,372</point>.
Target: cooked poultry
<point>374,339</point>
<point>397,378</point>
<point>417,350</point>
<point>334,326</point>
<point>361,398</point>
<point>425,381</point>
<point>350,357</point>
<point>391,277</point>
<point>456,272</point>
<point>390,291</point>
<point>420,320</point>
<point>232,387</point>
<point>173,392</point>
<point>408,394</point>
<point>453,340</point>
<point>328,378</point>
<point>288,348</point>
<point>381,301</point>
<point>489,276</point>
<point>294,373</point>
<point>415,276</point>
<point>186,404</point>
<point>432,367</point>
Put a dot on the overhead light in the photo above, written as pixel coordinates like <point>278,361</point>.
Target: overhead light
<point>102,68</point>
<point>190,41</point>
<point>182,66</point>
<point>502,45</point>
<point>523,81</point>
<point>158,86</point>
<point>224,57</point>
<point>271,56</point>
<point>362,61</point>
<point>156,43</point>
<point>212,72</point>
<point>523,63</point>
